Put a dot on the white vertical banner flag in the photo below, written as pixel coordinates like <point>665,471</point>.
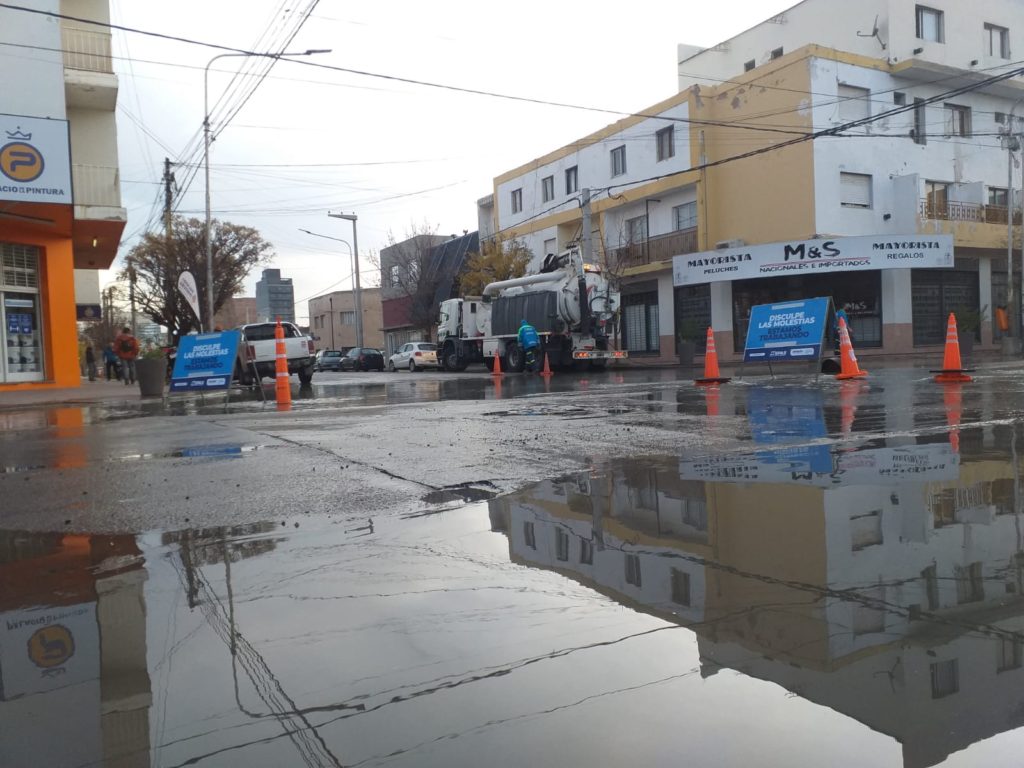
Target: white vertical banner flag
<point>187,286</point>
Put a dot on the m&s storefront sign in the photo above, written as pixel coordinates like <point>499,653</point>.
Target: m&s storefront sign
<point>841,254</point>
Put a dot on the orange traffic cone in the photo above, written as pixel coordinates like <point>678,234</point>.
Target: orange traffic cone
<point>849,368</point>
<point>497,365</point>
<point>546,370</point>
<point>952,398</point>
<point>711,373</point>
<point>952,369</point>
<point>283,383</point>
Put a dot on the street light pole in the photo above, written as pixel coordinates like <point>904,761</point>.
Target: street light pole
<point>355,260</point>
<point>206,155</point>
<point>351,255</point>
<point>1012,144</point>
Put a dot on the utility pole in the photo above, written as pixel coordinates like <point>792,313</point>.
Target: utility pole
<point>168,236</point>
<point>588,246</point>
<point>131,294</point>
<point>355,271</point>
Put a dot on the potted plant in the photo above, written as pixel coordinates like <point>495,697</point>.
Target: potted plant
<point>151,371</point>
<point>968,323</point>
<point>687,338</point>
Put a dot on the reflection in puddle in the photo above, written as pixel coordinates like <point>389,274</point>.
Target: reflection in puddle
<point>884,583</point>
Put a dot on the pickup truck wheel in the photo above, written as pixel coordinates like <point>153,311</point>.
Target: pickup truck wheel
<point>305,376</point>
<point>413,367</point>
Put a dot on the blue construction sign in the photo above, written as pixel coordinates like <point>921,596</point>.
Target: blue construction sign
<point>788,331</point>
<point>205,362</point>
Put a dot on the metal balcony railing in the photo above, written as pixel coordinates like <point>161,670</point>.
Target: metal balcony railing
<point>96,185</point>
<point>86,50</point>
<point>972,212</point>
<point>658,248</point>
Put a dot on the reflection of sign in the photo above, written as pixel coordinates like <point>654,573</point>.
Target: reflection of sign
<point>88,312</point>
<point>807,257</point>
<point>205,362</point>
<point>781,416</point>
<point>51,646</point>
<point>877,466</point>
<point>792,330</point>
<point>35,160</point>
<point>187,287</point>
<point>46,649</point>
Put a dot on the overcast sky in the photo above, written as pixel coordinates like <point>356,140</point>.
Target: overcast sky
<point>398,155</point>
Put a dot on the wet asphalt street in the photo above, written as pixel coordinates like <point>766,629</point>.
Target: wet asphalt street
<point>435,570</point>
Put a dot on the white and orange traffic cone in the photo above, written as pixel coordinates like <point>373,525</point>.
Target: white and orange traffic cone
<point>711,397</point>
<point>849,393</point>
<point>283,384</point>
<point>952,369</point>
<point>848,366</point>
<point>711,373</point>
<point>497,365</point>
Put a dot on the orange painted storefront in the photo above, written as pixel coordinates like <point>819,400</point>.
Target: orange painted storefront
<point>59,330</point>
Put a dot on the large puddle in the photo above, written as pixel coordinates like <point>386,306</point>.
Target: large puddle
<point>802,602</point>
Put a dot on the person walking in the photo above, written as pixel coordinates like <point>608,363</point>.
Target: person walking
<point>111,362</point>
<point>127,348</point>
<point>90,361</point>
<point>530,342</point>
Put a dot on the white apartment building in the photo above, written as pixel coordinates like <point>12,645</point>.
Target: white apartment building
<point>702,175</point>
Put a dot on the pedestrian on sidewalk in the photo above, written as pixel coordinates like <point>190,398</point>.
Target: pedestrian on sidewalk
<point>111,362</point>
<point>127,348</point>
<point>90,361</point>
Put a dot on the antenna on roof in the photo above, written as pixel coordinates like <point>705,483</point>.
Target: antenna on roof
<point>873,33</point>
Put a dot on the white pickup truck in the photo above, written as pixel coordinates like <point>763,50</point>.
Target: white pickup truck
<point>259,347</point>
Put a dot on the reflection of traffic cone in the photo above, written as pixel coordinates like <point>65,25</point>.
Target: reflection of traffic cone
<point>546,370</point>
<point>849,392</point>
<point>497,365</point>
<point>952,398</point>
<point>711,373</point>
<point>849,369</point>
<point>711,395</point>
<point>952,369</point>
<point>283,388</point>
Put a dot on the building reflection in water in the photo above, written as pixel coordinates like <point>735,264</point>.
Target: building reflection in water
<point>74,685</point>
<point>884,582</point>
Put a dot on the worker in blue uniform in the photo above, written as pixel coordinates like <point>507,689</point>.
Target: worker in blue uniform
<point>530,342</point>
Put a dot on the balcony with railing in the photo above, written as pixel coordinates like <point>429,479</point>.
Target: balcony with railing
<point>657,248</point>
<point>976,213</point>
<point>86,50</point>
<point>96,186</point>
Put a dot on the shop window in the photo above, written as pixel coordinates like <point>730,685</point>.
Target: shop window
<point>640,332</point>
<point>693,314</point>
<point>21,336</point>
<point>934,294</point>
<point>859,294</point>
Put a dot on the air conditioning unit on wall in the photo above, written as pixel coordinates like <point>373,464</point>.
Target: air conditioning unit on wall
<point>721,245</point>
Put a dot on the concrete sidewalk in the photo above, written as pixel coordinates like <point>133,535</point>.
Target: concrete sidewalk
<point>97,391</point>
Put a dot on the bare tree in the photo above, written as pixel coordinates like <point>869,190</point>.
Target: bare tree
<point>405,273</point>
<point>500,258</point>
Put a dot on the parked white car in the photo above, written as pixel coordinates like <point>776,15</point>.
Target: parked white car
<point>414,356</point>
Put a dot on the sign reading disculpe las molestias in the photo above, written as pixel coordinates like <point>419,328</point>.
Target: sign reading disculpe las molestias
<point>205,362</point>
<point>789,330</point>
<point>810,257</point>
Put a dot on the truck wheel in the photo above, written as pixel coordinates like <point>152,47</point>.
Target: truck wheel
<point>305,376</point>
<point>516,358</point>
<point>449,357</point>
